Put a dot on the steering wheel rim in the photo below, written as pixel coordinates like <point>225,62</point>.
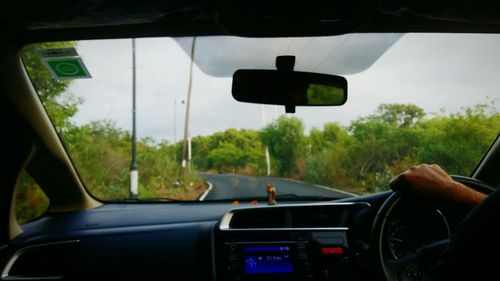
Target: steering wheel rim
<point>379,226</point>
<point>392,270</point>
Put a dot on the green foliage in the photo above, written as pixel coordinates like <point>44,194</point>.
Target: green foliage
<point>101,153</point>
<point>225,157</point>
<point>327,154</point>
<point>231,151</point>
<point>399,115</point>
<point>31,202</point>
<point>286,141</point>
<point>364,156</point>
<point>324,95</point>
<point>458,140</point>
<point>158,169</point>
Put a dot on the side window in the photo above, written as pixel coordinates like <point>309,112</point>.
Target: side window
<point>31,202</point>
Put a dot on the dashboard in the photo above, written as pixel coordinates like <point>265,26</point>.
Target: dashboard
<point>216,241</point>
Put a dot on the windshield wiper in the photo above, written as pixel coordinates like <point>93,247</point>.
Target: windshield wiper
<point>259,199</point>
<point>148,200</point>
<point>292,196</point>
<point>280,197</point>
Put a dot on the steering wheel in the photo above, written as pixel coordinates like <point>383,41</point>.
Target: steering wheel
<point>412,266</point>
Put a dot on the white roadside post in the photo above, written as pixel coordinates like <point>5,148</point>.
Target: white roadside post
<point>134,182</point>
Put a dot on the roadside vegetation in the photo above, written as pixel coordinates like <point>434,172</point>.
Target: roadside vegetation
<point>360,158</point>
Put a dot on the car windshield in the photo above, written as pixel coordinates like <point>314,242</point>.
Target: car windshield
<point>413,98</point>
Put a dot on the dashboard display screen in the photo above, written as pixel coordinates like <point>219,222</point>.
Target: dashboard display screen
<point>267,259</point>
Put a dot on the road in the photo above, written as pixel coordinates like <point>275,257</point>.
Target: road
<point>228,186</point>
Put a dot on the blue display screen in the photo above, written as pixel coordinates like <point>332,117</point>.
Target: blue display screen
<point>267,259</point>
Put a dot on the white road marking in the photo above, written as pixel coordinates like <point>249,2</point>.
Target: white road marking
<point>322,186</point>
<point>210,186</point>
<point>337,190</point>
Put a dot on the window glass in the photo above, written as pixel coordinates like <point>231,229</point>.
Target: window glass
<point>31,202</point>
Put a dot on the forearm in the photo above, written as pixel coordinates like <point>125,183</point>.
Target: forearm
<point>433,184</point>
<point>464,195</point>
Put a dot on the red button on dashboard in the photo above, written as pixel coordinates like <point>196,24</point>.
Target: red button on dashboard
<point>332,251</point>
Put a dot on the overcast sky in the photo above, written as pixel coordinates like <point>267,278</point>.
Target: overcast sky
<point>432,71</point>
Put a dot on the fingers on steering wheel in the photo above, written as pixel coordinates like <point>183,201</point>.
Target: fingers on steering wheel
<point>396,183</point>
<point>440,170</point>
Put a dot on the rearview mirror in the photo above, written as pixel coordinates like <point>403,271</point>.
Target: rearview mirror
<point>289,88</point>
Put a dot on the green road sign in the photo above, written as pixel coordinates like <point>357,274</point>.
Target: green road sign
<point>66,68</point>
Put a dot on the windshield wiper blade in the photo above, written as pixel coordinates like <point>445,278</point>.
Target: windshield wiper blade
<point>293,196</point>
<point>282,197</point>
<point>147,200</point>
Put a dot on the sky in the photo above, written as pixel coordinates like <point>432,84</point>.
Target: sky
<point>433,71</point>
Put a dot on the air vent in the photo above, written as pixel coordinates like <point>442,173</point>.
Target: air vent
<point>294,216</point>
<point>44,261</point>
<point>260,218</point>
<point>319,216</point>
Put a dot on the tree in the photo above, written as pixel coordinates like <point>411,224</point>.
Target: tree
<point>398,115</point>
<point>229,151</point>
<point>285,139</point>
<point>385,137</point>
<point>326,157</point>
<point>226,157</point>
<point>458,141</point>
<point>101,153</point>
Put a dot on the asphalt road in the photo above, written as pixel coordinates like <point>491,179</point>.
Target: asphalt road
<point>228,186</point>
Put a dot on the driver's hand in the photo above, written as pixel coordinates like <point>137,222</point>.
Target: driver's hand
<point>435,185</point>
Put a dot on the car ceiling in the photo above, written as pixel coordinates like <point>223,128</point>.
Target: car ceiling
<point>87,19</point>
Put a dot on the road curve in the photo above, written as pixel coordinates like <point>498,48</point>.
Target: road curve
<point>228,186</point>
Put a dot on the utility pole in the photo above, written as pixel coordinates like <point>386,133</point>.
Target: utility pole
<point>185,150</point>
<point>134,174</point>
<point>268,159</point>
<point>176,100</point>
<point>175,120</point>
<point>175,123</point>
